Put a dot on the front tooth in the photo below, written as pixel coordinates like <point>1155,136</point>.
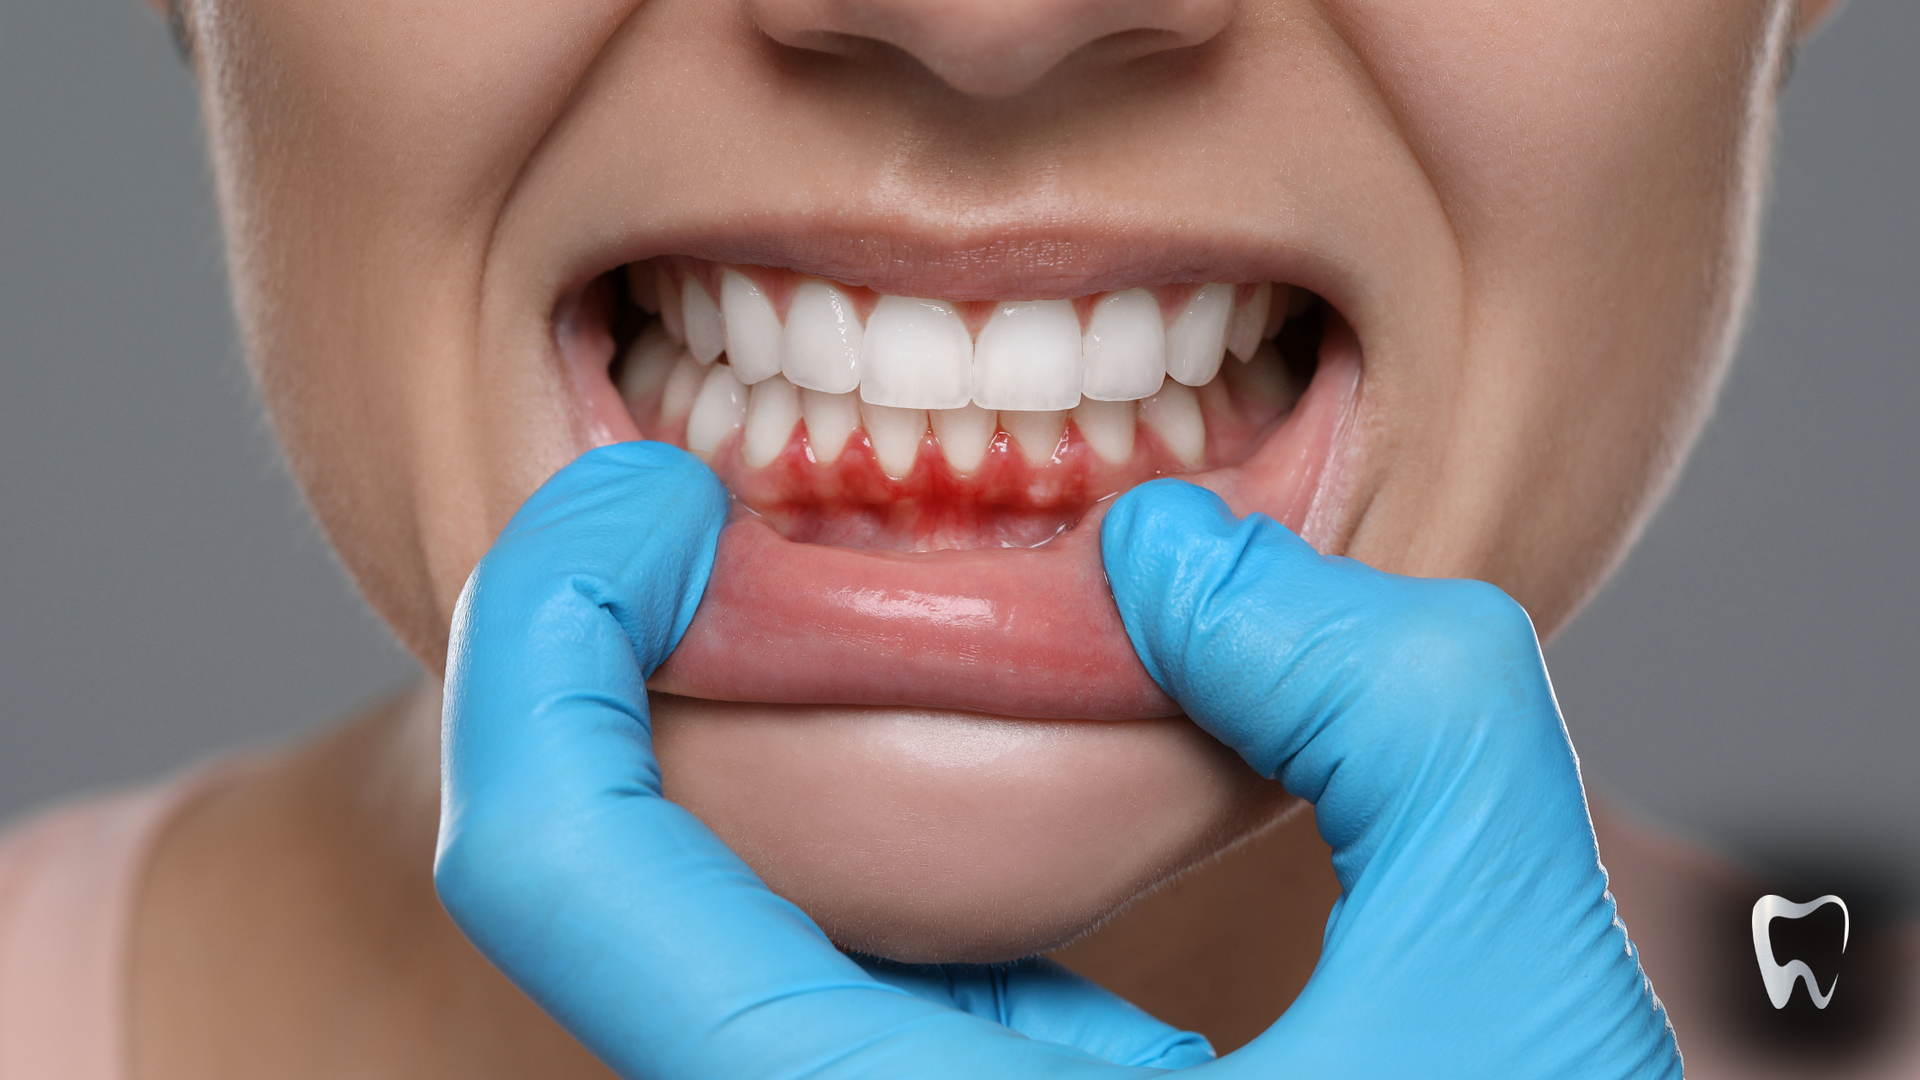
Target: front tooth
<point>753,330</point>
<point>773,407</point>
<point>916,355</point>
<point>965,434</point>
<point>670,303</point>
<point>718,411</point>
<point>1198,337</point>
<point>650,361</point>
<point>831,419</point>
<point>706,330</point>
<point>1174,415</point>
<point>820,348</point>
<point>1108,428</point>
<point>1249,322</point>
<point>1028,358</point>
<point>683,385</point>
<point>1126,347</point>
<point>896,435</point>
<point>1037,434</point>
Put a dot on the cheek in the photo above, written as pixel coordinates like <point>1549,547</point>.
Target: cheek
<point>927,836</point>
<point>363,151</point>
<point>1598,167</point>
<point>1527,112</point>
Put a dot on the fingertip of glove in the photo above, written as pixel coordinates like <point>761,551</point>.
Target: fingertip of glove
<point>1156,514</point>
<point>668,462</point>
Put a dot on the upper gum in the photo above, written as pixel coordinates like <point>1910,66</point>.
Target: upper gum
<point>779,285</point>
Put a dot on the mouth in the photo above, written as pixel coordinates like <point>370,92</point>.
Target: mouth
<point>919,481</point>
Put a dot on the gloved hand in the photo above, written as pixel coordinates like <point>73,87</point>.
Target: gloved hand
<point>1474,936</point>
<point>619,912</point>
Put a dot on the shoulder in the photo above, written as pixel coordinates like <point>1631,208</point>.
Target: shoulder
<point>67,879</point>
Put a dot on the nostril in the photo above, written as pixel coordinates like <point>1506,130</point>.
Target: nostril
<point>992,48</point>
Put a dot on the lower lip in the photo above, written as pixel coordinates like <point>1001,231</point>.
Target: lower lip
<point>1022,632</point>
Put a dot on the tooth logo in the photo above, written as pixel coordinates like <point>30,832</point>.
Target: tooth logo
<point>1781,977</point>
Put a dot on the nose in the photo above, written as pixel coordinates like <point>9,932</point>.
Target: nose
<point>993,48</point>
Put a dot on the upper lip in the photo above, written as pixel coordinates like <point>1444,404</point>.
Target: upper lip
<point>1024,260</point>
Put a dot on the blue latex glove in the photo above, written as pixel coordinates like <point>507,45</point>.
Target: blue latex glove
<point>1474,936</point>
<point>619,912</point>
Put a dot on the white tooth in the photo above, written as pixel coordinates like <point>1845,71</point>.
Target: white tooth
<point>1174,415</point>
<point>1126,347</point>
<point>820,348</point>
<point>718,411</point>
<point>773,407</point>
<point>1037,434</point>
<point>1249,322</point>
<point>1028,358</point>
<point>1216,401</point>
<point>965,434</point>
<point>669,303</point>
<point>1108,428</point>
<point>706,330</point>
<point>916,355</point>
<point>650,360</point>
<point>831,420</point>
<point>683,385</point>
<point>753,330</point>
<point>1198,337</point>
<point>1264,378</point>
<point>896,435</point>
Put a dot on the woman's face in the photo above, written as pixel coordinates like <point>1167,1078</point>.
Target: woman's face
<point>1486,261</point>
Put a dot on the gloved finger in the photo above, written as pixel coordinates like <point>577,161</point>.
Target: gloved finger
<point>1042,1000</point>
<point>1270,646</point>
<point>617,911</point>
<point>1416,715</point>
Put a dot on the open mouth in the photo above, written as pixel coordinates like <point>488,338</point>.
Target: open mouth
<point>919,481</point>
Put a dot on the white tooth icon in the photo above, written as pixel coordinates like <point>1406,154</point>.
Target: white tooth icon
<point>1197,340</point>
<point>773,408</point>
<point>1125,347</point>
<point>916,355</point>
<point>1249,322</point>
<point>683,385</point>
<point>1779,978</point>
<point>1108,427</point>
<point>820,348</point>
<point>649,362</point>
<point>831,419</point>
<point>706,330</point>
<point>1036,433</point>
<point>896,435</point>
<point>1174,415</point>
<point>1028,358</point>
<point>752,328</point>
<point>669,303</point>
<point>965,435</point>
<point>718,411</point>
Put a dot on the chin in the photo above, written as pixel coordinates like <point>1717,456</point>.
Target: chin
<point>933,836</point>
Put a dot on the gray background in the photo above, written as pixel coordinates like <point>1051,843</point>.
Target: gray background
<point>1751,675</point>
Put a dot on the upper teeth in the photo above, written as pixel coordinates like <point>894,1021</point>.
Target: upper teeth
<point>912,353</point>
<point>914,366</point>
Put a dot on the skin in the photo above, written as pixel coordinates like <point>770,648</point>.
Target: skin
<point>1539,220</point>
